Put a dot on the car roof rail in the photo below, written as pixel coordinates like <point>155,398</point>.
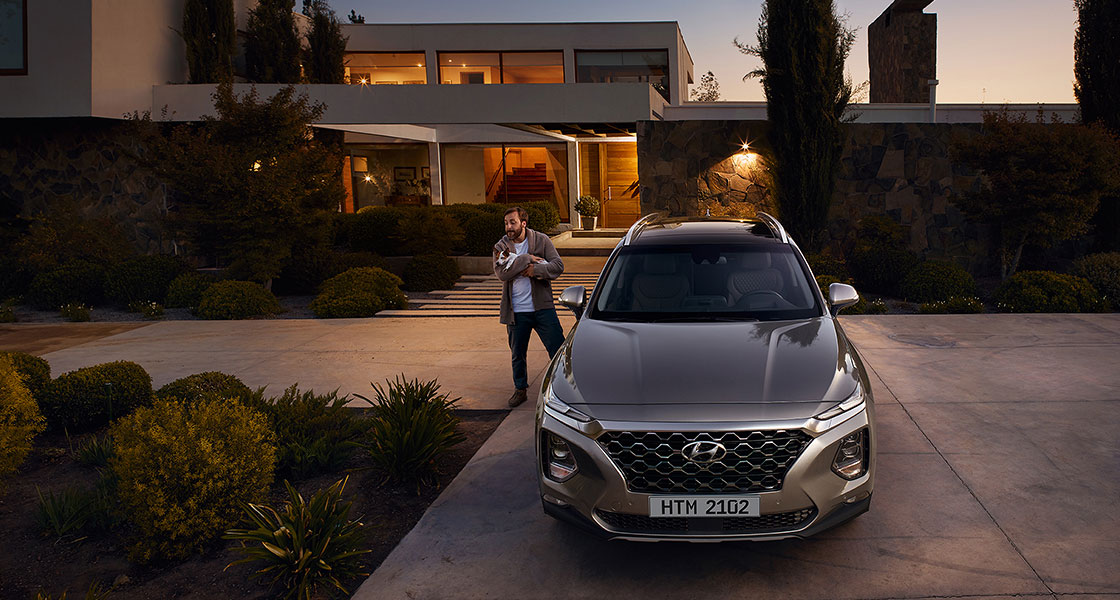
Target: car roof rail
<point>775,226</point>
<point>637,227</point>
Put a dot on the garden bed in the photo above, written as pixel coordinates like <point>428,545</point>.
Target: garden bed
<point>33,562</point>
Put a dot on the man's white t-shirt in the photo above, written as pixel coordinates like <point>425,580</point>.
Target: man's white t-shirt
<point>522,288</point>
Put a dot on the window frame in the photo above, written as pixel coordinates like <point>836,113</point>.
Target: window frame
<point>668,68</point>
<point>501,63</point>
<point>423,55</point>
<point>20,70</point>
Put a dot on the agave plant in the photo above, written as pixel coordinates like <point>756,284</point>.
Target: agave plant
<point>306,544</point>
<point>412,426</point>
<point>63,513</point>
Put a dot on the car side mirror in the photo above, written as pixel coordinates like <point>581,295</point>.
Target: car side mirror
<point>841,296</point>
<point>574,298</point>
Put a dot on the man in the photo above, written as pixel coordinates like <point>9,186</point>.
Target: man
<point>527,262</point>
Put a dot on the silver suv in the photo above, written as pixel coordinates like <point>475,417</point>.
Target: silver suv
<point>707,392</point>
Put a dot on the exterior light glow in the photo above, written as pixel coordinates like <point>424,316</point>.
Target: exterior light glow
<point>368,178</point>
<point>256,165</point>
<point>746,145</point>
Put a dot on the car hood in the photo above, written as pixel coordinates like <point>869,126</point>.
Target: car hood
<point>705,372</point>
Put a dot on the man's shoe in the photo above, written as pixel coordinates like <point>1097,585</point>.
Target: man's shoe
<point>518,397</point>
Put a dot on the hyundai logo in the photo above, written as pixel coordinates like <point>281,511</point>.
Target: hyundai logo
<point>704,451</point>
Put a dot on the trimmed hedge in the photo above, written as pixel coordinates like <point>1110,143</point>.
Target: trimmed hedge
<point>309,267</point>
<point>480,232</point>
<point>211,385</point>
<point>237,300</point>
<point>826,264</point>
<point>20,420</point>
<point>361,292</point>
<point>935,280</point>
<point>881,258</point>
<point>1103,271</point>
<point>143,279</point>
<point>185,291</point>
<point>1046,291</point>
<point>88,398</point>
<point>429,272</point>
<point>185,470</point>
<point>76,281</point>
<point>36,372</point>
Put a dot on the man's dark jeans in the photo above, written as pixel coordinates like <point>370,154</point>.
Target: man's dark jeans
<point>548,328</point>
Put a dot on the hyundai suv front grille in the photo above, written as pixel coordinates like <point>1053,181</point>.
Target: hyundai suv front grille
<point>657,462</point>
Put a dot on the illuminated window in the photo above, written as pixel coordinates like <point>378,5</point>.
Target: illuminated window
<point>501,67</point>
<point>373,68</point>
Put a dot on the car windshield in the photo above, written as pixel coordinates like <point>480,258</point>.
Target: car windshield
<point>711,282</point>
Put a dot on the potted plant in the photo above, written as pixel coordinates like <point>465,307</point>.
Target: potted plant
<point>588,209</point>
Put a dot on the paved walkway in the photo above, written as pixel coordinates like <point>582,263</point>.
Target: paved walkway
<point>999,450</point>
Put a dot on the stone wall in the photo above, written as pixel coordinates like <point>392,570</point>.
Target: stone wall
<point>902,55</point>
<point>45,163</point>
<point>902,171</point>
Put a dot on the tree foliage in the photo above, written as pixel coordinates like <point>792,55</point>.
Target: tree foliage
<point>1042,182</point>
<point>249,183</point>
<point>210,36</point>
<point>707,90</point>
<point>272,47</point>
<point>1096,63</point>
<point>803,45</point>
<point>326,51</point>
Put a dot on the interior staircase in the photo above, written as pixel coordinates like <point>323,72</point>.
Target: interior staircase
<point>527,184</point>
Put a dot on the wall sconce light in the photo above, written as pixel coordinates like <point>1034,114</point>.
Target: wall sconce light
<point>368,178</point>
<point>256,165</point>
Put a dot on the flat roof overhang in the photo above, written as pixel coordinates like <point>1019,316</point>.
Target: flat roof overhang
<point>568,104</point>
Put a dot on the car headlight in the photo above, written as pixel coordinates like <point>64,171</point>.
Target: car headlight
<point>557,406</point>
<point>855,400</point>
<point>851,456</point>
<point>556,455</point>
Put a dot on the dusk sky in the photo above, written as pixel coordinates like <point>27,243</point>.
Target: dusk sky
<point>991,51</point>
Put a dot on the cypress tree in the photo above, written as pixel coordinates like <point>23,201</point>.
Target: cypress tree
<point>272,44</point>
<point>1096,61</point>
<point>803,45</point>
<point>326,54</point>
<point>210,35</point>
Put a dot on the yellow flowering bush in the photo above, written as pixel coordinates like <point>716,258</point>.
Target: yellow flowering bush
<point>185,471</point>
<point>20,420</point>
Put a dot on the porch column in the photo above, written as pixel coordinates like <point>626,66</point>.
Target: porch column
<point>436,187</point>
<point>573,182</point>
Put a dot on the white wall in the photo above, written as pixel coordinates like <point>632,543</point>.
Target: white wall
<point>57,83</point>
<point>134,48</point>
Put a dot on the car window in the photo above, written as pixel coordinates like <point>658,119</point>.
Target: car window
<point>705,282</point>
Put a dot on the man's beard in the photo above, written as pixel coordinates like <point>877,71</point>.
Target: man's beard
<point>514,234</point>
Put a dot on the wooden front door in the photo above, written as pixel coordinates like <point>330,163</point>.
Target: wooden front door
<point>608,169</point>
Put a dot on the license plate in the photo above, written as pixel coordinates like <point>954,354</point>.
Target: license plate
<point>703,506</point>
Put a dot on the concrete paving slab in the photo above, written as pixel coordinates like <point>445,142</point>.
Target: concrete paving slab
<point>39,339</point>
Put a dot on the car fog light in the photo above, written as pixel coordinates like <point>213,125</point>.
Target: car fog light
<point>851,456</point>
<point>559,462</point>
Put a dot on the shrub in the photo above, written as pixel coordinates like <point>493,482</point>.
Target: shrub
<point>7,312</point>
<point>96,451</point>
<point>149,310</point>
<point>953,305</point>
<point>211,385</point>
<point>186,290</point>
<point>937,280</point>
<point>75,312</point>
<point>359,293</point>
<point>90,397</point>
<point>36,372</point>
<point>372,229</point>
<point>20,420</point>
<point>1103,271</point>
<point>859,308</point>
<point>236,300</point>
<point>543,216</point>
<point>68,233</point>
<point>314,433</point>
<point>426,231</point>
<point>480,232</point>
<point>880,259</point>
<point>310,267</point>
<point>75,281</point>
<point>412,426</point>
<point>587,206</point>
<point>1046,291</point>
<point>183,471</point>
<point>428,272</point>
<point>15,277</point>
<point>826,264</point>
<point>304,545</point>
<point>63,513</point>
<point>143,279</point>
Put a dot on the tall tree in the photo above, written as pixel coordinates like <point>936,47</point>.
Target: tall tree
<point>210,35</point>
<point>707,90</point>
<point>326,53</point>
<point>803,45</point>
<point>1096,61</point>
<point>250,183</point>
<point>1041,182</point>
<point>272,46</point>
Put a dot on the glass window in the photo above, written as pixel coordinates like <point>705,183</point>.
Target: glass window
<point>532,67</point>
<point>385,68</point>
<point>610,66</point>
<point>13,37</point>
<point>470,67</point>
<point>390,175</point>
<point>483,173</point>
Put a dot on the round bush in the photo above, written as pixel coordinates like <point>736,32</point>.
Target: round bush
<point>143,279</point>
<point>211,385</point>
<point>937,280</point>
<point>429,272</point>
<point>481,232</point>
<point>1103,271</point>
<point>1046,291</point>
<point>308,268</point>
<point>185,291</point>
<point>89,398</point>
<point>236,300</point>
<point>184,471</point>
<point>36,372</point>
<point>20,420</point>
<point>587,206</point>
<point>359,292</point>
<point>373,229</point>
<point>75,281</point>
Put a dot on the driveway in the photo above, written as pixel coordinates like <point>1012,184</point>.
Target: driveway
<point>999,450</point>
